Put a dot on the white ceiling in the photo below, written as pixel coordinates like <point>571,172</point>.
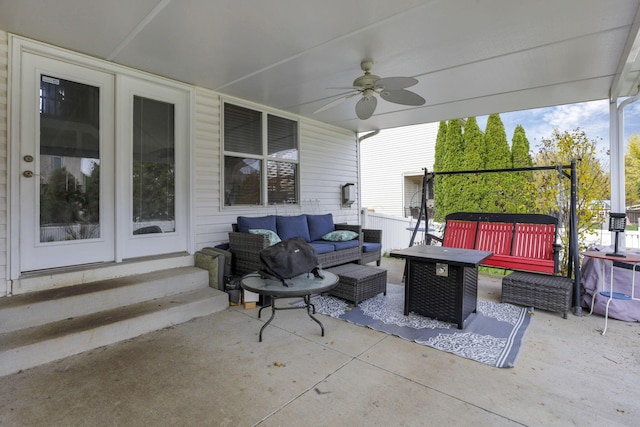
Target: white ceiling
<point>471,57</point>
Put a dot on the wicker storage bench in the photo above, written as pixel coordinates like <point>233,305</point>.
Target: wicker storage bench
<point>358,282</point>
<point>552,293</point>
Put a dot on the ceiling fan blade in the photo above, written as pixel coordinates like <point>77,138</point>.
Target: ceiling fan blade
<point>335,102</point>
<point>404,97</point>
<point>365,107</point>
<point>395,83</point>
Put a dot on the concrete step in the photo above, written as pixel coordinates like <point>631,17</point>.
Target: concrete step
<point>39,308</point>
<point>29,347</point>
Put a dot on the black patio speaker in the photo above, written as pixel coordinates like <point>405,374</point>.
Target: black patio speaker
<point>617,224</point>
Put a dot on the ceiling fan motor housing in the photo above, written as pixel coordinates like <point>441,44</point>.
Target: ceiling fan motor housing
<point>366,81</point>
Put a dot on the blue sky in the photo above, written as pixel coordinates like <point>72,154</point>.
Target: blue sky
<point>592,117</point>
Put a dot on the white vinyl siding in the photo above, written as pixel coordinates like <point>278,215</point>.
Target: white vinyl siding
<point>387,158</point>
<point>328,159</point>
<point>212,225</point>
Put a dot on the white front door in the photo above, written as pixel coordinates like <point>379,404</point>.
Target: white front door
<point>67,204</point>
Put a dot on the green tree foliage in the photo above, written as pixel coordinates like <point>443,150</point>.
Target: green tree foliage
<point>521,188</point>
<point>153,192</point>
<point>553,192</point>
<point>475,157</point>
<point>498,193</point>
<point>438,165</point>
<point>632,171</point>
<point>92,195</point>
<point>61,199</point>
<point>66,204</point>
<point>520,156</point>
<point>453,161</point>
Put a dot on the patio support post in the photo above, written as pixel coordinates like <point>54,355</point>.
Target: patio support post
<point>616,169</point>
<point>573,243</point>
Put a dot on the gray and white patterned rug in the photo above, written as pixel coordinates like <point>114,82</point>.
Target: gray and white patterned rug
<point>493,335</point>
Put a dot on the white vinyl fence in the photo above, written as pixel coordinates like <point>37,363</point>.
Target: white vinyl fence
<point>396,231</point>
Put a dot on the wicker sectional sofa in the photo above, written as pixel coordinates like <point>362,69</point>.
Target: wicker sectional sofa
<point>245,245</point>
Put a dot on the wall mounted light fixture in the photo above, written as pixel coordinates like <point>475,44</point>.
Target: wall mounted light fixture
<point>348,194</point>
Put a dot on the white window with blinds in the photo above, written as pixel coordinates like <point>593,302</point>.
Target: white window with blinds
<point>261,155</point>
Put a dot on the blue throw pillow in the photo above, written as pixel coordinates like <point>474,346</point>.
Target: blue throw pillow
<point>293,226</point>
<point>319,225</point>
<point>340,236</point>
<point>272,236</point>
<point>245,223</point>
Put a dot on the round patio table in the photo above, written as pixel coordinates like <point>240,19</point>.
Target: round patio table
<point>303,286</point>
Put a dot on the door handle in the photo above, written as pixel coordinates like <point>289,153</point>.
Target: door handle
<point>27,174</point>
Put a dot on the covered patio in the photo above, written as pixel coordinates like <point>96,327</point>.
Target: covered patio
<point>286,59</point>
<point>213,371</point>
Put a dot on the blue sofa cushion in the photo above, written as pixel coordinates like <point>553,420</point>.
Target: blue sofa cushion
<point>371,246</point>
<point>245,223</point>
<point>292,226</point>
<point>319,225</point>
<point>322,248</point>
<point>345,245</point>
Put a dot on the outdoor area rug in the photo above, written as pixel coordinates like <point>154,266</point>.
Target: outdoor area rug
<point>493,335</point>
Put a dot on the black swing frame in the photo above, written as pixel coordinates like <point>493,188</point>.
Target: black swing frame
<point>573,268</point>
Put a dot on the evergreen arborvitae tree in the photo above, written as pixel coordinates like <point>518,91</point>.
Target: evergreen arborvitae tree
<point>520,155</point>
<point>475,157</point>
<point>522,195</point>
<point>438,165</point>
<point>453,161</point>
<point>499,185</point>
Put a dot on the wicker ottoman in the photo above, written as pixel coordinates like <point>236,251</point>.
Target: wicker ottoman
<point>358,282</point>
<point>552,293</point>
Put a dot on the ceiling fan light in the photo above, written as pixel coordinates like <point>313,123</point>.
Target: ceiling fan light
<point>368,94</point>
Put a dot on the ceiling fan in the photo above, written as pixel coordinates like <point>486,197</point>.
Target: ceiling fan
<point>392,89</point>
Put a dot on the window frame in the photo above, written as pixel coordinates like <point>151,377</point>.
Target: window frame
<point>264,158</point>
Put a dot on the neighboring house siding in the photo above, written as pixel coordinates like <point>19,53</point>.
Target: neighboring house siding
<point>390,156</point>
<point>4,49</point>
<point>328,159</point>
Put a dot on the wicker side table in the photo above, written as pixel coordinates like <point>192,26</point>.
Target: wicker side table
<point>358,282</point>
<point>552,293</point>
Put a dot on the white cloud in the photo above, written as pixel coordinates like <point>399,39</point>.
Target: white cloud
<point>585,114</point>
<point>591,117</point>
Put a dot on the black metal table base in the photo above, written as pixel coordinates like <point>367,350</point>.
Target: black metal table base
<point>311,310</point>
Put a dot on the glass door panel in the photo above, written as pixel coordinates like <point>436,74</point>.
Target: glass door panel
<point>153,166</point>
<point>69,160</point>
<point>153,162</point>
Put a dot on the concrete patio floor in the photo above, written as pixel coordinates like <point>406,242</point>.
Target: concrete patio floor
<point>212,371</point>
